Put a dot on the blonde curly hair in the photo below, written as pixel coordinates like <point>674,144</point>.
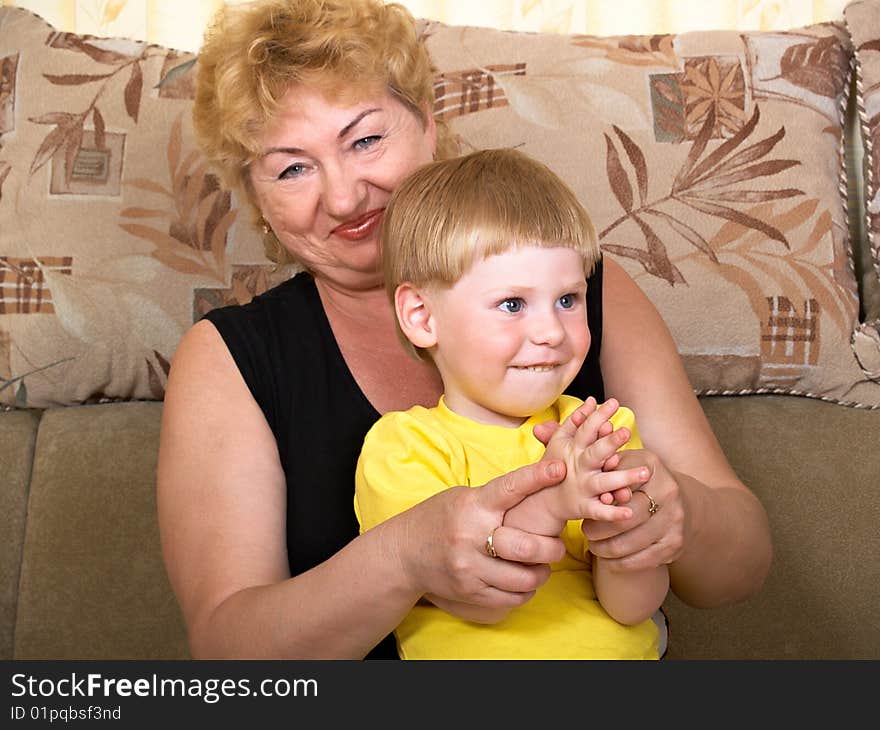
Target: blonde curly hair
<point>254,52</point>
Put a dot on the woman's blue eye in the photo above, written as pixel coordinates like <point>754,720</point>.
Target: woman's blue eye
<point>365,142</point>
<point>566,301</point>
<point>512,306</point>
<point>295,170</point>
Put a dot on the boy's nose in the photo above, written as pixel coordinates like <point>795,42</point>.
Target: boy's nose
<point>546,329</point>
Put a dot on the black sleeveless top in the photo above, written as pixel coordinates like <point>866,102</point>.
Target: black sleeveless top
<point>285,350</point>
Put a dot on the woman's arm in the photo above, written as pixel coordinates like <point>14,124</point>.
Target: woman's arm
<point>222,507</point>
<point>711,530</point>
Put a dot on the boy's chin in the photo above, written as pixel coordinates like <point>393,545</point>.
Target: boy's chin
<point>531,408</point>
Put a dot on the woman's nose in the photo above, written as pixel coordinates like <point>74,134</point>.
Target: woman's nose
<point>342,191</point>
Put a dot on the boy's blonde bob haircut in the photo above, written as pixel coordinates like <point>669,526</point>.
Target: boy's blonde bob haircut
<point>447,215</point>
<point>254,52</point>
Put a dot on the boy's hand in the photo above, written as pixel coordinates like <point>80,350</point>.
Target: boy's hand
<point>587,442</point>
<point>545,431</point>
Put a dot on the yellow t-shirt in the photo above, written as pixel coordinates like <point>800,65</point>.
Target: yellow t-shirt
<point>411,455</point>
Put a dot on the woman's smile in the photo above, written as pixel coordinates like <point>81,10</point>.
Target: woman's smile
<point>360,228</point>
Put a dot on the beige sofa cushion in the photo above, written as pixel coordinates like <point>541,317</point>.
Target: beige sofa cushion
<point>821,597</point>
<point>18,433</point>
<point>93,585</point>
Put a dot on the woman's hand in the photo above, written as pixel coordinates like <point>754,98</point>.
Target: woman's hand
<point>442,545</point>
<point>645,540</point>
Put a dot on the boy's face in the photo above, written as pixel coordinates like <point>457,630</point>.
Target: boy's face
<point>511,334</point>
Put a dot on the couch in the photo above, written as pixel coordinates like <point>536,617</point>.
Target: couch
<point>735,175</point>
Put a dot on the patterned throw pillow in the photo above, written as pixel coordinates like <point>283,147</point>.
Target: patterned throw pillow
<point>113,234</point>
<point>712,164</point>
<point>863,22</point>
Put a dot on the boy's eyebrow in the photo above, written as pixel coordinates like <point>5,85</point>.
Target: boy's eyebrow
<point>579,284</point>
<point>342,133</point>
<point>514,288</point>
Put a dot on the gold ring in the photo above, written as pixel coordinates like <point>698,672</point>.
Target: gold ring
<point>490,544</point>
<point>652,505</point>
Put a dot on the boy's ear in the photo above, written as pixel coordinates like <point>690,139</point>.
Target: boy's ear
<point>414,316</point>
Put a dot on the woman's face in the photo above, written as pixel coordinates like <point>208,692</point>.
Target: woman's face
<point>325,175</point>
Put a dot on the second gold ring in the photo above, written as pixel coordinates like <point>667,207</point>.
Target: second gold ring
<point>652,505</point>
<point>490,544</point>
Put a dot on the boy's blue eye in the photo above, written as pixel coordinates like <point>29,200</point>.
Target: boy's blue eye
<point>511,306</point>
<point>566,301</point>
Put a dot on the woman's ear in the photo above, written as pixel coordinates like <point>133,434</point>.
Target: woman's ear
<point>431,130</point>
<point>414,316</point>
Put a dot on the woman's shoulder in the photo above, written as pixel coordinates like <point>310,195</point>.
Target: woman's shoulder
<point>297,290</point>
<point>274,342</point>
<point>287,312</point>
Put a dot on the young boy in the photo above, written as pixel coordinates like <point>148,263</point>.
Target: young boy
<point>486,259</point>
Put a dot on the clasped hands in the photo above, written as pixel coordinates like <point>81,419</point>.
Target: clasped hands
<point>595,487</point>
<point>526,509</point>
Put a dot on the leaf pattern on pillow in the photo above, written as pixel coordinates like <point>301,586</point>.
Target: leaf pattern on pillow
<point>8,67</point>
<point>742,250</point>
<point>632,50</point>
<point>714,85</point>
<point>68,126</point>
<point>820,66</point>
<point>705,183</point>
<point>5,169</point>
<point>8,71</point>
<point>722,192</point>
<point>194,240</point>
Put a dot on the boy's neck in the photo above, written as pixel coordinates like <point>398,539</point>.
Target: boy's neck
<point>482,415</point>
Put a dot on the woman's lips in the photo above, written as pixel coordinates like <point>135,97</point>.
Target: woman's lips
<point>359,228</point>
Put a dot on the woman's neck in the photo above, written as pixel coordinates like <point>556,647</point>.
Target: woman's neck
<point>364,327</point>
<point>368,307</point>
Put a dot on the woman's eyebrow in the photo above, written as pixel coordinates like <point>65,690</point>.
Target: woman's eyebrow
<point>342,133</point>
<point>354,122</point>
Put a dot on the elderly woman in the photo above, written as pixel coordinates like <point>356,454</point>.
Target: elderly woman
<point>314,111</point>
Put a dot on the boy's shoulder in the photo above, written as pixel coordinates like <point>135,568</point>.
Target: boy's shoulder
<point>415,414</point>
<point>415,420</point>
<point>412,433</point>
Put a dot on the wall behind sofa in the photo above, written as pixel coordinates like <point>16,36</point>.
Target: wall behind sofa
<point>179,25</point>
